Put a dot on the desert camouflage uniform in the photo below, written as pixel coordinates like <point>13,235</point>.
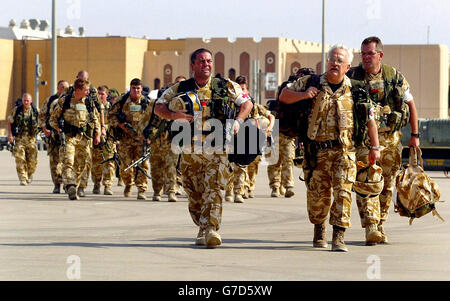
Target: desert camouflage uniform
<point>25,149</point>
<point>103,173</point>
<point>282,172</point>
<point>77,152</point>
<point>375,210</point>
<point>52,142</point>
<point>336,169</point>
<point>131,145</point>
<point>204,176</point>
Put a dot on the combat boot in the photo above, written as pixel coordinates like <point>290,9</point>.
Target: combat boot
<point>72,192</point>
<point>200,240</point>
<point>320,236</point>
<point>30,179</point>
<point>172,197</point>
<point>120,182</point>
<point>384,239</point>
<point>156,197</point>
<point>96,189</point>
<point>373,236</point>
<point>127,191</point>
<point>229,196</point>
<point>80,192</point>
<point>282,190</point>
<point>108,191</point>
<point>338,243</point>
<point>245,195</point>
<point>57,188</point>
<point>23,183</point>
<point>238,198</point>
<point>251,194</point>
<point>275,192</point>
<point>212,238</point>
<point>289,193</point>
<point>141,195</point>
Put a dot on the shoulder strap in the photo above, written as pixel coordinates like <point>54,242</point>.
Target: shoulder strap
<point>357,73</point>
<point>186,85</point>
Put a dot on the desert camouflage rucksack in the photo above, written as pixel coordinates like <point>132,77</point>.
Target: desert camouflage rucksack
<point>417,193</point>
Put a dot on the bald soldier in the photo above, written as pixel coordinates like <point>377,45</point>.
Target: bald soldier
<point>22,130</point>
<point>204,173</point>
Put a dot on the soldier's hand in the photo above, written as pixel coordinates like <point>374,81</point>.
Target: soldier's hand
<point>122,126</point>
<point>103,131</point>
<point>46,132</point>
<point>10,138</point>
<point>414,142</point>
<point>312,92</point>
<point>97,140</point>
<point>236,127</point>
<point>374,156</point>
<point>181,115</point>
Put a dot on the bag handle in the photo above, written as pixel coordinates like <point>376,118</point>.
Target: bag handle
<point>414,154</point>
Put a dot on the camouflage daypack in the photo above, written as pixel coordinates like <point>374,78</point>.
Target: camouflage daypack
<point>417,193</point>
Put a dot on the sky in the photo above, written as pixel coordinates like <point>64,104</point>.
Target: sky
<point>347,21</point>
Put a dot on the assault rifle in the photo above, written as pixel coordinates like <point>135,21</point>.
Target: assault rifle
<point>116,159</point>
<point>137,164</point>
<point>62,136</point>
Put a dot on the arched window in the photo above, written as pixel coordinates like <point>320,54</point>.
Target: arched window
<point>244,65</point>
<point>295,66</point>
<point>219,63</point>
<point>167,75</point>
<point>157,83</point>
<point>232,74</point>
<point>270,67</point>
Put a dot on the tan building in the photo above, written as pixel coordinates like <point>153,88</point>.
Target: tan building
<point>114,61</point>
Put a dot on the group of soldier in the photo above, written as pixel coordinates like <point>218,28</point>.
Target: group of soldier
<point>95,131</point>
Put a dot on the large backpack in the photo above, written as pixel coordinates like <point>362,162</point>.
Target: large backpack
<point>417,193</point>
<point>293,118</point>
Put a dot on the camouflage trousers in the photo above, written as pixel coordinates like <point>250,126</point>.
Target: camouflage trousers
<point>375,210</point>
<point>333,177</point>
<point>282,172</point>
<point>75,158</point>
<point>87,168</point>
<point>55,160</point>
<point>252,172</point>
<point>129,151</point>
<point>237,180</point>
<point>204,177</point>
<point>163,164</point>
<point>103,173</point>
<point>25,154</point>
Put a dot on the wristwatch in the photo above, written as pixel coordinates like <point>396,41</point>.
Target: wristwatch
<point>377,147</point>
<point>415,135</point>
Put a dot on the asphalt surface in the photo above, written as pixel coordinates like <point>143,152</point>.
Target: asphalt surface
<point>45,236</point>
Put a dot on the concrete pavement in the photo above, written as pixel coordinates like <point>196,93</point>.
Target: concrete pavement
<point>44,236</point>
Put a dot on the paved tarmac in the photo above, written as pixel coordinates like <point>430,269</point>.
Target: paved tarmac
<point>45,236</point>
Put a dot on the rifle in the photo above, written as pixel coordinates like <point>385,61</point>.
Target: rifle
<point>62,136</point>
<point>116,159</point>
<point>145,156</point>
<point>10,146</point>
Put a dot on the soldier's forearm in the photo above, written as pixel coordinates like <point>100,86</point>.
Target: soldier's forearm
<point>373,133</point>
<point>413,118</point>
<point>245,109</point>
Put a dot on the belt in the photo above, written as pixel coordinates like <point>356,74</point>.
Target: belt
<point>321,145</point>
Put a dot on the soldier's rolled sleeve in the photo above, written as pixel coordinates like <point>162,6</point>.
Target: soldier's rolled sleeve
<point>407,95</point>
<point>299,84</point>
<point>11,116</point>
<point>56,113</point>
<point>112,118</point>
<point>236,94</point>
<point>168,94</point>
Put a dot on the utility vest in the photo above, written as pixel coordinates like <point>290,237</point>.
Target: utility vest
<point>391,112</point>
<point>217,106</point>
<point>86,128</point>
<point>25,125</point>
<point>332,117</point>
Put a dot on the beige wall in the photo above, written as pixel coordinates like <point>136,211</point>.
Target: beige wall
<point>426,70</point>
<point>6,80</point>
